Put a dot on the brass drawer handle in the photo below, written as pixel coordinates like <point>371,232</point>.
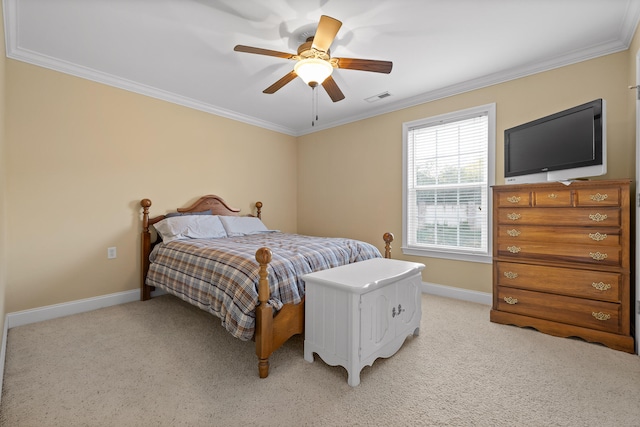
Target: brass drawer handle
<point>513,249</point>
<point>598,256</point>
<point>601,316</point>
<point>513,199</point>
<point>513,233</point>
<point>510,274</point>
<point>552,196</point>
<point>511,300</point>
<point>513,216</point>
<point>598,237</point>
<point>599,197</point>
<point>601,286</point>
<point>597,217</point>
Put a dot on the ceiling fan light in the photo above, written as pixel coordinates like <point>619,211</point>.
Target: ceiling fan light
<point>313,70</point>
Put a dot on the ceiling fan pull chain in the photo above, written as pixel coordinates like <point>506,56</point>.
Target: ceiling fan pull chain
<point>314,106</point>
<point>315,101</point>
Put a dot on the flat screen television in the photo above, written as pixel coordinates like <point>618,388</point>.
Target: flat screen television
<point>567,145</point>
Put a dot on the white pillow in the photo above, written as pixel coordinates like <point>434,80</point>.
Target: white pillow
<point>242,225</point>
<point>190,227</point>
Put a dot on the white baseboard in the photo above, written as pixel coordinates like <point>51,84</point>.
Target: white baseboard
<point>49,312</point>
<point>457,293</point>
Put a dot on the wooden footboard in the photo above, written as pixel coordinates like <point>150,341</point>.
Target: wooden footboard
<point>271,329</point>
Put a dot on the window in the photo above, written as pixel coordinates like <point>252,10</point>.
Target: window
<point>448,168</point>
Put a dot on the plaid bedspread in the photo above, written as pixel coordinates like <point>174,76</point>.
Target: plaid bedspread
<point>221,275</point>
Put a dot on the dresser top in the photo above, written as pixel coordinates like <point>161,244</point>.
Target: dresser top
<point>365,276</point>
<point>577,184</point>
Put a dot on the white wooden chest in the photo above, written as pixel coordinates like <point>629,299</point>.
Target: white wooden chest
<point>361,311</point>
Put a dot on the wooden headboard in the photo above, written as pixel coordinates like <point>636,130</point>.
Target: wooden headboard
<point>211,202</point>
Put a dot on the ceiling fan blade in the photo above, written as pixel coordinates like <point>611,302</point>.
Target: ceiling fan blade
<point>259,51</point>
<point>283,81</point>
<point>327,29</point>
<point>332,89</point>
<point>364,65</point>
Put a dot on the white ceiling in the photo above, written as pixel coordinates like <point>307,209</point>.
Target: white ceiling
<point>182,50</point>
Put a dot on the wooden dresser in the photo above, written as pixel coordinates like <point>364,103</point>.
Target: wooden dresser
<point>561,260</point>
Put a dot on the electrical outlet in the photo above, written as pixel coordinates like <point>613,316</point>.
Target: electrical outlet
<point>111,252</point>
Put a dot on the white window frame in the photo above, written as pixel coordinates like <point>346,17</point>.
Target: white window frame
<point>450,253</point>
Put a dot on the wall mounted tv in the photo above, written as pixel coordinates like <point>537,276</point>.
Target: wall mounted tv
<point>567,145</point>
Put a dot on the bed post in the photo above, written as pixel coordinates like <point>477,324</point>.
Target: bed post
<point>388,238</point>
<point>264,314</point>
<point>145,291</point>
<point>259,209</point>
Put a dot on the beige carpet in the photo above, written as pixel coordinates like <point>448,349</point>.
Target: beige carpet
<point>165,363</point>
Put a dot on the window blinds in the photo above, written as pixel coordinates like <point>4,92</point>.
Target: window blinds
<point>447,204</point>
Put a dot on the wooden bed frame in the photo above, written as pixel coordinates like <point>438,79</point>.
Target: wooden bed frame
<point>271,329</point>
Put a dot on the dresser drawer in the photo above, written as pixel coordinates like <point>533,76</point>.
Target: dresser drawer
<point>553,251</point>
<point>592,236</point>
<point>597,315</point>
<point>514,198</point>
<point>552,198</point>
<point>578,217</point>
<point>598,196</point>
<point>598,285</point>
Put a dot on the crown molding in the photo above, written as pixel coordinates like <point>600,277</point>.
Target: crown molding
<point>604,49</point>
<point>617,44</point>
<point>69,68</point>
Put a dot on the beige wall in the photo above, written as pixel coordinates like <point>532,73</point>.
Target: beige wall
<point>3,177</point>
<point>80,157</point>
<point>350,177</point>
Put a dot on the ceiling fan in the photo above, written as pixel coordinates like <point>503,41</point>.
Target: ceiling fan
<point>314,62</point>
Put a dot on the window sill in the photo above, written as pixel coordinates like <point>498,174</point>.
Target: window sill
<point>457,256</point>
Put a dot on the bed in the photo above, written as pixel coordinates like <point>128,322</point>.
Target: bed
<point>242,272</point>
